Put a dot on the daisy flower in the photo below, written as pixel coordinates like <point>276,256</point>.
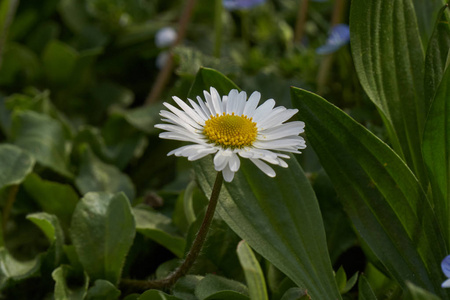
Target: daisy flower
<point>231,128</point>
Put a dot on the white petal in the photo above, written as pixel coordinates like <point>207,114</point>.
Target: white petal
<point>190,150</point>
<point>240,103</point>
<point>178,137</point>
<point>188,110</point>
<point>232,101</point>
<point>174,119</point>
<point>228,175</point>
<point>251,104</point>
<point>280,118</point>
<point>234,162</point>
<point>268,118</point>
<point>202,104</point>
<point>263,110</point>
<point>282,163</point>
<point>292,128</point>
<point>216,101</point>
<point>199,111</point>
<point>221,159</point>
<point>202,154</point>
<point>181,114</point>
<point>264,167</point>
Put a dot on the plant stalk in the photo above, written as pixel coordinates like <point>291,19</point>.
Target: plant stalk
<point>196,247</point>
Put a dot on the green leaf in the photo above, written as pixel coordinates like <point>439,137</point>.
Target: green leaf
<point>416,293</point>
<point>207,78</point>
<point>59,61</point>
<point>436,56</point>
<point>184,288</point>
<point>44,138</point>
<point>144,118</point>
<point>101,290</point>
<point>53,197</point>
<point>293,238</point>
<point>436,152</point>
<point>384,200</point>
<point>426,15</point>
<point>341,279</point>
<point>102,232</point>
<point>12,270</point>
<point>49,225</point>
<point>254,276</point>
<point>293,242</point>
<point>295,294</point>
<point>156,295</point>
<point>95,176</point>
<point>15,164</point>
<point>220,288</point>
<point>18,64</point>
<point>389,60</point>
<point>159,228</point>
<point>63,289</point>
<point>365,290</point>
<point>350,283</point>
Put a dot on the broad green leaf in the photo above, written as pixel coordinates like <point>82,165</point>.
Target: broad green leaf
<point>159,228</point>
<point>15,164</point>
<point>389,60</point>
<point>293,238</point>
<point>207,78</point>
<point>365,290</point>
<point>44,138</point>
<point>436,153</point>
<point>49,225</point>
<point>12,270</point>
<point>97,176</point>
<point>156,295</point>
<point>254,276</point>
<point>59,61</point>
<point>65,290</point>
<point>436,56</point>
<point>416,293</point>
<point>426,15</point>
<point>217,287</point>
<point>295,294</point>
<point>102,232</point>
<point>102,290</point>
<point>382,197</point>
<point>53,197</point>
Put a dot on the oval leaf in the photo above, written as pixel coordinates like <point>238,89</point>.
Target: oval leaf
<point>102,232</point>
<point>15,164</point>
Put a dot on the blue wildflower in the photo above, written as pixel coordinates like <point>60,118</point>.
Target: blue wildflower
<point>241,4</point>
<point>445,265</point>
<point>339,36</point>
<point>165,37</point>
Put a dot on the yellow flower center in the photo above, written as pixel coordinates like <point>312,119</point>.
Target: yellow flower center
<point>230,131</point>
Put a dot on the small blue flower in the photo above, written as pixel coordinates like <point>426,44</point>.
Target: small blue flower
<point>445,265</point>
<point>339,36</point>
<point>241,4</point>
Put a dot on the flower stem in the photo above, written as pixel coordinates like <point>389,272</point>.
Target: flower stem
<point>218,28</point>
<point>166,71</point>
<point>301,21</point>
<point>196,247</point>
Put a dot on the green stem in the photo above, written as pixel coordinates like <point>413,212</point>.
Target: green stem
<point>196,247</point>
<point>218,28</point>
<point>9,204</point>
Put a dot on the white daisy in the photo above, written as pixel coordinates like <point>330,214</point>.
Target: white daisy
<point>232,127</point>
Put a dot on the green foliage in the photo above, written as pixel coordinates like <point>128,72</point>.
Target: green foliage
<point>101,242</point>
<point>90,201</point>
